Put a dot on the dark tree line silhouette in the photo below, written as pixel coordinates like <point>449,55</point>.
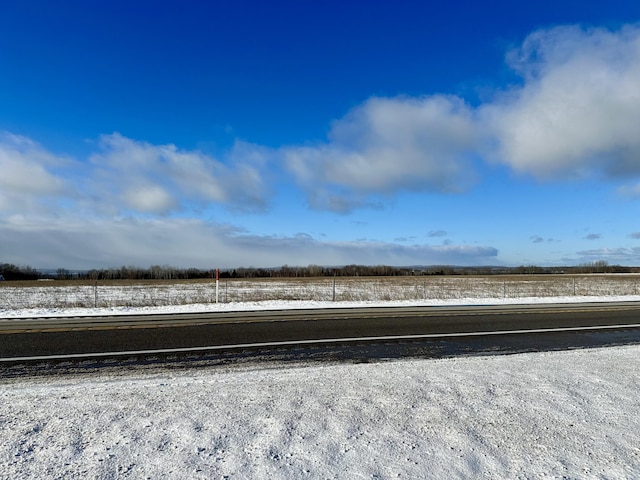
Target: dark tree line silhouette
<point>9,272</point>
<point>165,272</point>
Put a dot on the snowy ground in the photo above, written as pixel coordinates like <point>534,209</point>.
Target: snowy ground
<point>573,414</point>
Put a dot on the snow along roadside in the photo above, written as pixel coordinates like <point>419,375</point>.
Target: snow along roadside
<point>572,414</point>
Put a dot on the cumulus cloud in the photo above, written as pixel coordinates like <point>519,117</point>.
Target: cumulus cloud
<point>578,109</point>
<point>156,178</point>
<point>574,115</point>
<point>387,145</point>
<point>127,176</point>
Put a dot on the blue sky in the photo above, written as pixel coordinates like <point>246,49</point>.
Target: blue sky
<point>226,134</point>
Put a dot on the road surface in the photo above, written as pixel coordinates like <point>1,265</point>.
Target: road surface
<point>39,337</point>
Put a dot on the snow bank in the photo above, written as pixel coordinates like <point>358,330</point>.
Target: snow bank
<point>573,414</point>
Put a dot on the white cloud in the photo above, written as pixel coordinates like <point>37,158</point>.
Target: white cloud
<point>620,255</point>
<point>126,175</point>
<point>576,114</point>
<point>387,145</point>
<point>578,109</point>
<point>28,174</point>
<point>71,243</point>
<point>157,178</point>
<point>32,180</point>
<point>151,198</point>
<point>630,190</point>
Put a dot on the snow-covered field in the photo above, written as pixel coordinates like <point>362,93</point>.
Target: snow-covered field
<point>62,295</point>
<point>54,298</point>
<point>572,414</point>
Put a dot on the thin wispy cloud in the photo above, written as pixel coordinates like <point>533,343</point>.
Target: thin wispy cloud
<point>631,191</point>
<point>191,242</point>
<point>620,255</point>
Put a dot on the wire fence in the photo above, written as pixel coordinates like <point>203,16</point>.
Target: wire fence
<point>339,289</point>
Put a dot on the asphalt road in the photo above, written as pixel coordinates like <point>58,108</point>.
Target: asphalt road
<point>86,335</point>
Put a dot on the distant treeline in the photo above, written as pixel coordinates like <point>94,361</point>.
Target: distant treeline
<point>13,272</point>
<point>164,272</point>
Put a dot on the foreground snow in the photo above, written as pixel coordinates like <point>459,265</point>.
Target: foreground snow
<point>573,414</point>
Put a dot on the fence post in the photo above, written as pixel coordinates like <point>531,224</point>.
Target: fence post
<point>334,285</point>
